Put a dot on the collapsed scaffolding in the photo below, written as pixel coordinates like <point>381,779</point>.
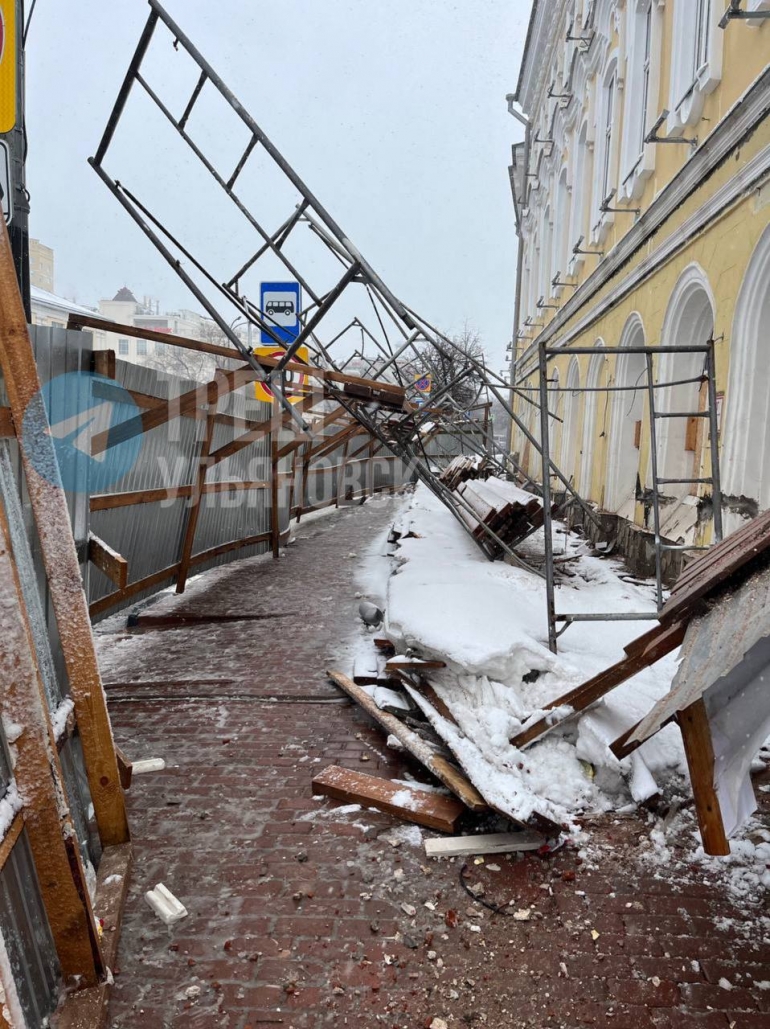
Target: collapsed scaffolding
<point>386,404</point>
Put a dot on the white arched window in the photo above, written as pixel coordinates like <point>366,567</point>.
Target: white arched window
<point>696,65</point>
<point>746,450</point>
<point>644,33</point>
<point>581,185</point>
<point>561,229</point>
<point>605,166</point>
<point>689,321</point>
<point>593,405</point>
<point>569,428</point>
<point>627,414</point>
<point>546,245</point>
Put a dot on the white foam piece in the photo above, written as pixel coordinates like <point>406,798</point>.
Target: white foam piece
<point>165,905</point>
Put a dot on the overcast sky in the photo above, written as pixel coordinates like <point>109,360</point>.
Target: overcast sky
<point>393,113</point>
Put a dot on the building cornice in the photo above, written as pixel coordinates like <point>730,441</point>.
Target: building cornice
<point>536,61</point>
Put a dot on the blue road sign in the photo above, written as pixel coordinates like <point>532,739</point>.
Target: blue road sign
<point>280,303</point>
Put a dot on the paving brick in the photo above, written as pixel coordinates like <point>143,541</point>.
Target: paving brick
<point>232,828</point>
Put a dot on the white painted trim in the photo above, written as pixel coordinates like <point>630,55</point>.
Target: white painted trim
<point>742,118</point>
<point>747,395</point>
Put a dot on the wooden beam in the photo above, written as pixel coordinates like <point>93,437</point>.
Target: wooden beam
<point>267,363</point>
<point>7,430</point>
<point>108,561</point>
<point>658,642</point>
<point>412,805</point>
<point>126,768</point>
<point>194,511</point>
<point>699,750</point>
<point>11,836</point>
<point>103,362</point>
<point>205,395</point>
<point>109,501</point>
<point>275,511</point>
<point>486,843</point>
<point>40,781</point>
<point>60,559</point>
<point>261,430</point>
<point>165,574</point>
<point>444,770</point>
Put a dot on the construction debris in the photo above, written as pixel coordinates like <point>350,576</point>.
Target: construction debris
<point>165,905</point>
<point>150,764</point>
<point>489,843</point>
<point>433,810</point>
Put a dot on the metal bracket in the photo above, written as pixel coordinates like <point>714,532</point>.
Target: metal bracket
<point>605,208</point>
<point>542,306</point>
<point>556,282</point>
<point>577,249</point>
<point>653,137</point>
<point>735,13</point>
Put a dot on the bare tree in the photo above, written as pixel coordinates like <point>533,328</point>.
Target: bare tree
<point>453,367</point>
<point>190,364</point>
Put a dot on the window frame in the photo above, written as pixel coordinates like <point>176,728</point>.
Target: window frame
<point>695,74</point>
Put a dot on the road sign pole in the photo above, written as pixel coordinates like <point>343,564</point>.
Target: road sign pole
<point>14,137</point>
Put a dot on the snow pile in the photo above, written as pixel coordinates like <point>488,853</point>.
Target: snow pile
<point>488,622</point>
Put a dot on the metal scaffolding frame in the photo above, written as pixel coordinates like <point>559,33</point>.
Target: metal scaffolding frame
<point>650,386</point>
<point>401,336</point>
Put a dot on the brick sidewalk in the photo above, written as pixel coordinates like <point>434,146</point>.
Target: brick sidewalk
<point>296,911</point>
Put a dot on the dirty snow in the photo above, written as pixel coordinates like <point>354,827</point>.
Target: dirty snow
<point>487,621</point>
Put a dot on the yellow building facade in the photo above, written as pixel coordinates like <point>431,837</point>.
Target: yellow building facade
<point>642,196</point>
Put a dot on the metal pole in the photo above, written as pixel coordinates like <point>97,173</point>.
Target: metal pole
<point>716,479</point>
<point>545,450</point>
<point>15,139</point>
<point>655,493</point>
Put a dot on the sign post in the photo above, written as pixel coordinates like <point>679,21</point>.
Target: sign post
<point>280,304</point>
<point>14,200</point>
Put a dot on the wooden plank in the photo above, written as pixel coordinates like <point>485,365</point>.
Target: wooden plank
<point>698,748</point>
<point>420,806</point>
<point>103,362</point>
<point>268,363</point>
<point>660,641</point>
<point>444,770</point>
<point>60,559</point>
<point>109,501</point>
<point>87,1009</point>
<point>10,838</point>
<point>412,664</point>
<point>164,574</point>
<point>259,432</point>
<point>7,430</point>
<point>108,561</point>
<point>275,510</point>
<point>126,769</point>
<point>486,843</point>
<point>38,773</point>
<point>191,525</point>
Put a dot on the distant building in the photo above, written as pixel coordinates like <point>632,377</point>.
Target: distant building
<point>41,265</point>
<point>51,310</point>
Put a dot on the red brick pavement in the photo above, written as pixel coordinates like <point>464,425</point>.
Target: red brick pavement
<point>296,914</point>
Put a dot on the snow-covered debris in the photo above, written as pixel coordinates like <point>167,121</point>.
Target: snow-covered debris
<point>488,622</point>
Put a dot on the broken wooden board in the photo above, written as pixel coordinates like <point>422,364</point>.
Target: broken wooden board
<point>640,653</point>
<point>488,843</point>
<point>424,807</point>
<point>724,565</point>
<point>444,770</point>
<point>412,664</point>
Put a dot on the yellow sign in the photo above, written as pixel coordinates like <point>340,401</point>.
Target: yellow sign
<point>7,65</point>
<point>293,380</point>
<point>424,383</point>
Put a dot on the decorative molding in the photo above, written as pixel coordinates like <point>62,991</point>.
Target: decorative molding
<point>741,120</point>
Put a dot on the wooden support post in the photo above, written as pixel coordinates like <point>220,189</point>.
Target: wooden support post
<point>195,504</point>
<point>103,362</point>
<point>292,487</point>
<point>341,473</point>
<point>60,559</point>
<point>699,750</point>
<point>370,468</point>
<point>275,509</point>
<point>38,774</point>
<point>303,487</point>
